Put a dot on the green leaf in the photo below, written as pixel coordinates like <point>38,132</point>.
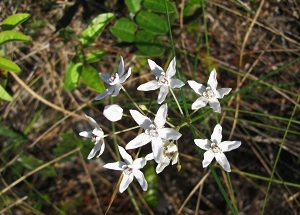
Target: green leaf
<point>30,162</point>
<point>159,6</point>
<point>8,36</point>
<point>95,56</point>
<point>95,28</point>
<point>147,45</point>
<point>14,20</point>
<point>9,65</point>
<point>133,5</point>
<point>124,30</point>
<point>72,75</point>
<point>4,95</point>
<point>151,22</point>
<point>151,195</point>
<point>91,77</point>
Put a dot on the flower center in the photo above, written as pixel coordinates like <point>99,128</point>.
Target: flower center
<point>209,93</point>
<point>127,170</point>
<point>215,148</point>
<point>114,78</point>
<point>163,80</point>
<point>152,131</point>
<point>169,153</point>
<point>94,138</point>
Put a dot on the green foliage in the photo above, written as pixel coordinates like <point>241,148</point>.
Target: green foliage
<point>95,28</point>
<point>151,195</point>
<point>95,56</point>
<point>31,163</point>
<point>72,75</point>
<point>159,6</point>
<point>9,35</point>
<point>91,77</point>
<point>151,22</point>
<point>14,20</point>
<point>124,30</point>
<point>147,44</point>
<point>133,5</point>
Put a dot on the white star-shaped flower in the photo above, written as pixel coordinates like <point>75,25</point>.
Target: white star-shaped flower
<point>208,94</point>
<point>97,137</point>
<point>115,81</point>
<point>130,169</point>
<point>155,132</point>
<point>215,148</point>
<point>170,153</point>
<point>163,80</point>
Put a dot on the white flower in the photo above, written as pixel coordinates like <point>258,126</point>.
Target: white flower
<point>113,112</point>
<point>170,153</point>
<point>96,135</point>
<point>163,80</point>
<point>209,94</point>
<point>130,169</point>
<point>215,148</point>
<point>114,80</point>
<point>155,132</point>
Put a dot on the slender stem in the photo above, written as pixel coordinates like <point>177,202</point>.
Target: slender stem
<point>131,99</point>
<point>171,90</point>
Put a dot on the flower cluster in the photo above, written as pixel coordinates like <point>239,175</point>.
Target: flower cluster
<point>163,140</point>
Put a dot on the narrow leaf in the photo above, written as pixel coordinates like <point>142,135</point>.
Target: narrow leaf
<point>151,22</point>
<point>14,20</point>
<point>72,75</point>
<point>8,36</point>
<point>133,5</point>
<point>124,30</point>
<point>4,95</point>
<point>9,65</point>
<point>95,28</point>
<point>159,6</point>
<point>91,77</point>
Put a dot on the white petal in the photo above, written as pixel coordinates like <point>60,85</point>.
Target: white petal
<point>198,88</point>
<point>108,91</point>
<point>222,160</point>
<point>157,148</point>
<point>169,134</point>
<point>115,166</point>
<point>117,88</point>
<point>175,159</point>
<point>126,157</point>
<point>160,118</point>
<point>215,105</point>
<point>98,133</point>
<point>100,146</point>
<point>163,92</point>
<point>121,67</point>
<point>212,81</point>
<point>141,179</point>
<point>140,140</point>
<point>203,143</point>
<point>208,157</point>
<point>227,146</point>
<point>151,85</point>
<point>105,77</point>
<point>94,123</point>
<point>216,136</point>
<point>149,156</point>
<point>139,163</point>
<point>113,112</point>
<point>140,119</point>
<point>87,134</point>
<point>220,93</point>
<point>124,77</point>
<point>199,103</point>
<point>175,83</point>
<point>157,70</point>
<point>127,179</point>
<point>171,68</point>
<point>160,167</point>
